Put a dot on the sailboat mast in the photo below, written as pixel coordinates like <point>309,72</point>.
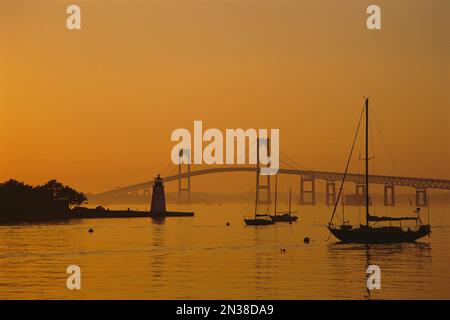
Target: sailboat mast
<point>289,201</point>
<point>276,193</point>
<point>257,175</point>
<point>367,161</point>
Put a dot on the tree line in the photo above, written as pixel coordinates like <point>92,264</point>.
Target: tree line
<point>53,200</point>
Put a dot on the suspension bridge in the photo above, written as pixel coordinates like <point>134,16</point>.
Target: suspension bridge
<point>307,183</point>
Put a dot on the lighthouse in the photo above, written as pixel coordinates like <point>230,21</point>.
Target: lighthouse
<point>158,205</point>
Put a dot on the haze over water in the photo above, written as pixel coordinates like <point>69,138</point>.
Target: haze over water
<point>202,258</point>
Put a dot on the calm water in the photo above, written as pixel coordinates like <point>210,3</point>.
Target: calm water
<point>202,258</point>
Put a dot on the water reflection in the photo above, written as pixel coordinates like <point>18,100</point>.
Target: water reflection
<point>400,264</point>
<point>158,220</point>
<point>202,258</point>
<point>263,274</point>
<point>157,245</point>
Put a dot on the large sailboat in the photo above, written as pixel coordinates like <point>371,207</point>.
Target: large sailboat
<point>367,233</point>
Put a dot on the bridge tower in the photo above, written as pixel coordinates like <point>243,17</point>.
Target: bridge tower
<point>305,181</point>
<point>259,186</point>
<point>330,192</point>
<point>182,189</point>
<point>389,195</point>
<point>421,197</point>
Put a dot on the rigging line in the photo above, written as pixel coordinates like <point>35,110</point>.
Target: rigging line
<point>391,158</point>
<point>346,168</point>
<point>372,148</point>
<point>384,141</point>
<point>373,162</point>
<point>249,199</point>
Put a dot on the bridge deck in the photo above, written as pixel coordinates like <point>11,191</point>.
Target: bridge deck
<point>425,183</point>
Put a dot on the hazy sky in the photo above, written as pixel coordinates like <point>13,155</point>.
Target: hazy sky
<point>95,108</point>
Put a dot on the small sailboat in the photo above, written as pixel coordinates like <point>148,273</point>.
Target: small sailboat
<point>284,216</point>
<point>371,234</point>
<point>259,219</point>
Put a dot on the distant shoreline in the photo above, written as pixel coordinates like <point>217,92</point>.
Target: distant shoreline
<point>96,213</point>
<point>219,198</point>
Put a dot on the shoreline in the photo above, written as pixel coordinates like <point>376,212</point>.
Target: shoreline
<point>97,213</point>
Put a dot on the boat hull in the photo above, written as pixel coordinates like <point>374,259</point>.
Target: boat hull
<point>258,222</point>
<point>284,218</point>
<point>379,235</point>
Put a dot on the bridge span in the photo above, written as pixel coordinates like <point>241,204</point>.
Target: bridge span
<point>307,184</point>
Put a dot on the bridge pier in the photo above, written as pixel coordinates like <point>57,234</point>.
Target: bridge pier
<point>305,181</point>
<point>389,195</point>
<point>359,197</point>
<point>421,197</point>
<point>330,193</point>
<point>266,199</point>
<point>360,189</point>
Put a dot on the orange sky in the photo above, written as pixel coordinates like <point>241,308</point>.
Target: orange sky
<point>95,108</point>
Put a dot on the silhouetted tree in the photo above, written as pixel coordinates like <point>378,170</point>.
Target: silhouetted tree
<point>65,193</point>
<point>19,201</point>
